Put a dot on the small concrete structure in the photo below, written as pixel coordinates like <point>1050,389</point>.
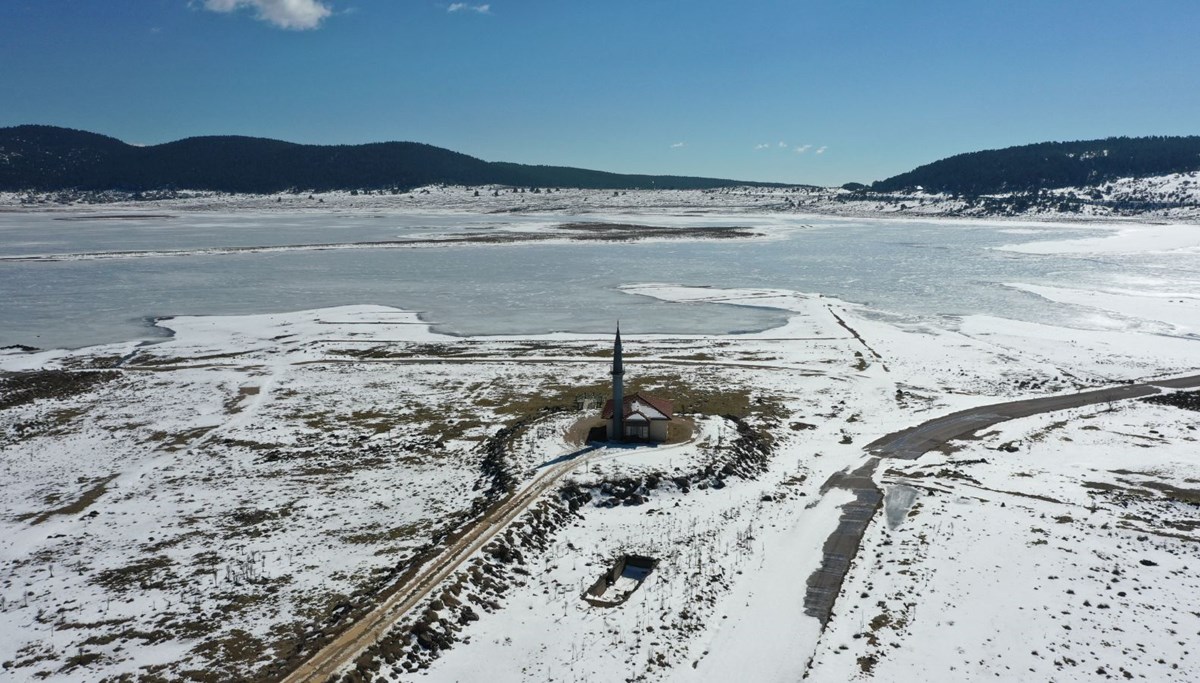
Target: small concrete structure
<point>618,583</point>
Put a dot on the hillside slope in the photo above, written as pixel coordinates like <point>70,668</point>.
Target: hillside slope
<point>1050,165</point>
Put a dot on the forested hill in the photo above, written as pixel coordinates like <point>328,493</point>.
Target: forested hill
<point>48,158</point>
<point>1049,165</point>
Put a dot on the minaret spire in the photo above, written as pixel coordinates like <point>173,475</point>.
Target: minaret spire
<point>618,368</point>
<point>618,375</point>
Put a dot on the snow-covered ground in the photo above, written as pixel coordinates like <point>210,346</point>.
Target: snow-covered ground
<point>1072,557</point>
<point>228,489</point>
<point>1174,197</point>
<point>220,499</point>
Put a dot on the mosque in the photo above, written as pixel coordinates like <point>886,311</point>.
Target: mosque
<point>642,418</point>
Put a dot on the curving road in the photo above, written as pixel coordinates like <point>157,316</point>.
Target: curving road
<point>840,548</point>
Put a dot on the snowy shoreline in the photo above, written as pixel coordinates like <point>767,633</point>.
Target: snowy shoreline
<point>1179,200</point>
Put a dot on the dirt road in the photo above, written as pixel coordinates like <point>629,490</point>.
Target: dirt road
<point>346,647</point>
<point>840,548</point>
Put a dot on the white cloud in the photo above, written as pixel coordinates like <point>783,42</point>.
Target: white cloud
<point>465,7</point>
<point>801,149</point>
<point>296,15</point>
<point>677,145</point>
<point>821,150</point>
<point>762,146</point>
<point>782,144</point>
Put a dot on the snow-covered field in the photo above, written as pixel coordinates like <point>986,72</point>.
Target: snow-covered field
<point>211,505</point>
<point>1056,547</point>
<point>1174,197</point>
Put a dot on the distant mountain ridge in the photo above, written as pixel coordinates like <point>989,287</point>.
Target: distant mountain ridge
<point>49,158</point>
<point>1050,165</point>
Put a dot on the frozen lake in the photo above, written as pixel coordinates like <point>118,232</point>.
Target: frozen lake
<point>919,270</point>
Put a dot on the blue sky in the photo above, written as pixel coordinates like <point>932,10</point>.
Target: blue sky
<point>749,90</point>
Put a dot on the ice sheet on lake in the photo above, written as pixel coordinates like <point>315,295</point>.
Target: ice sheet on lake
<point>920,269</point>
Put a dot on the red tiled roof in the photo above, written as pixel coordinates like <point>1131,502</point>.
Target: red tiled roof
<point>662,405</point>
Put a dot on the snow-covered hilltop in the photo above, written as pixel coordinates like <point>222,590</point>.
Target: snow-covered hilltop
<point>1173,197</point>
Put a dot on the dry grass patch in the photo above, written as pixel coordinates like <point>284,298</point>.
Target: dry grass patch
<point>180,440</point>
<point>152,572</point>
<point>23,388</point>
<point>83,502</point>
